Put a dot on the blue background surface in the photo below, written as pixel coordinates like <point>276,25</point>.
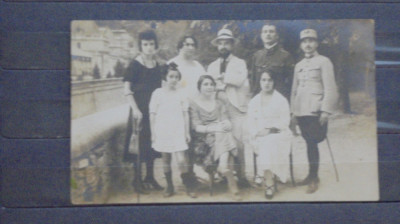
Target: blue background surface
<point>35,114</point>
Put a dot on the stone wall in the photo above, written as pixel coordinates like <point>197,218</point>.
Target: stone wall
<point>89,97</point>
<point>98,130</point>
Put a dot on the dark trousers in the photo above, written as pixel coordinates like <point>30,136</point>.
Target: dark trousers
<point>313,133</point>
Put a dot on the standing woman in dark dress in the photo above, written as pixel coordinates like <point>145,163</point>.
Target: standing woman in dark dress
<point>141,78</point>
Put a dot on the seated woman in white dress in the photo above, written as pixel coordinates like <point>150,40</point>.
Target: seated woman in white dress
<point>269,118</point>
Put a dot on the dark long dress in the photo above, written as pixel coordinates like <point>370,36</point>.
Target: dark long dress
<point>143,82</point>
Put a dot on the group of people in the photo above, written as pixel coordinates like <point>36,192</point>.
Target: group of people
<point>211,117</point>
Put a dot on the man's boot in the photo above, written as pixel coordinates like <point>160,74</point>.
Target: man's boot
<point>313,186</point>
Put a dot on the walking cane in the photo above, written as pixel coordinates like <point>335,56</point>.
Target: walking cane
<point>135,131</point>
<point>333,160</point>
<point>291,164</point>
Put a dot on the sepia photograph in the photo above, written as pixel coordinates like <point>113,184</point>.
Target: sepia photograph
<point>223,111</point>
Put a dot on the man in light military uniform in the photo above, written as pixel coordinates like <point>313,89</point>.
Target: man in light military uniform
<point>230,74</point>
<point>314,97</point>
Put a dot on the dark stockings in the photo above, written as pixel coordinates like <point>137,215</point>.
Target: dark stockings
<point>149,179</point>
<point>313,159</point>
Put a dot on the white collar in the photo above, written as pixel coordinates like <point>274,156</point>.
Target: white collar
<point>308,56</point>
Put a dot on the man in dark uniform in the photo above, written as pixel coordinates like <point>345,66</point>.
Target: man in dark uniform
<point>314,97</point>
<point>274,58</point>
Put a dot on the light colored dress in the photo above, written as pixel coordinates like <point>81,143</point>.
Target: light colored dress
<point>191,73</point>
<point>272,150</point>
<point>208,147</point>
<point>169,125</point>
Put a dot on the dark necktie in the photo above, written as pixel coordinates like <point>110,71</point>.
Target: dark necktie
<point>222,69</point>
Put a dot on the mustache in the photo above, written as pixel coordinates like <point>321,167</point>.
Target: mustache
<point>224,52</point>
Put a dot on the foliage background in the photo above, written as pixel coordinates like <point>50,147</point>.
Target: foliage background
<point>348,43</point>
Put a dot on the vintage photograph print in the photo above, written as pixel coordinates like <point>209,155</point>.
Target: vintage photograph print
<point>203,111</point>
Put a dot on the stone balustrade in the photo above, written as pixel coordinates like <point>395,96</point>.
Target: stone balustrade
<point>98,131</point>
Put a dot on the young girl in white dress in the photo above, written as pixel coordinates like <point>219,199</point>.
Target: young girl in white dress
<point>169,123</point>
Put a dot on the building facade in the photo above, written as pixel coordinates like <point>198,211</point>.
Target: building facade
<point>92,45</point>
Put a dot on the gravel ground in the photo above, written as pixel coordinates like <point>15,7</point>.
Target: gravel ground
<point>354,145</point>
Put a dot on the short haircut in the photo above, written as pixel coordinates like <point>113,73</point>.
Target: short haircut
<point>204,77</point>
<point>272,73</point>
<point>270,24</point>
<point>183,39</point>
<point>147,35</point>
<point>170,67</point>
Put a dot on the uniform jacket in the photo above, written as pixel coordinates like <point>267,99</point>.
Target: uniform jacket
<point>314,87</point>
<point>279,61</point>
<point>235,78</point>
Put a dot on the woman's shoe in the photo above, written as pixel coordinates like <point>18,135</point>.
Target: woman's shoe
<point>232,185</point>
<point>139,188</point>
<point>258,180</point>
<point>187,179</point>
<point>151,183</point>
<point>168,192</point>
<point>191,193</point>
<point>236,196</point>
<point>269,192</point>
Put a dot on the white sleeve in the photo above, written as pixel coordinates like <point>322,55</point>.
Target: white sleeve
<point>184,104</point>
<point>252,119</point>
<point>238,74</point>
<point>284,114</point>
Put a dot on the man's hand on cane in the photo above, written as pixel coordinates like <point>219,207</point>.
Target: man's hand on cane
<point>137,115</point>
<point>323,119</point>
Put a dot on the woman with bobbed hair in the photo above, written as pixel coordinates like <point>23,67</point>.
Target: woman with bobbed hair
<point>211,133</point>
<point>268,120</point>
<point>141,78</point>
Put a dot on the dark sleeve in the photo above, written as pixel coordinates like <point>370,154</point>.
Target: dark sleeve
<point>289,71</point>
<point>130,72</point>
<point>252,75</point>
